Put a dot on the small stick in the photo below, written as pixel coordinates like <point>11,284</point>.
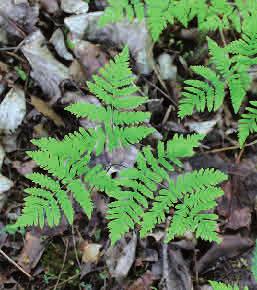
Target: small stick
<point>15,264</point>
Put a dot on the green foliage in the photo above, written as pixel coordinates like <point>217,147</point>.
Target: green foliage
<point>222,286</point>
<point>68,162</point>
<point>190,194</point>
<point>114,87</point>
<point>248,123</point>
<point>228,69</point>
<point>254,262</point>
<point>230,72</point>
<point>211,15</point>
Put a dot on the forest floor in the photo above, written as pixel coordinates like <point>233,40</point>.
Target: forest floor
<point>47,53</point>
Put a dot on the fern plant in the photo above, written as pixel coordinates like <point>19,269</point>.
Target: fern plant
<point>114,87</point>
<point>231,64</point>
<point>142,195</point>
<point>191,194</point>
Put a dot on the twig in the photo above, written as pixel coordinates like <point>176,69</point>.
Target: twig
<point>64,260</point>
<point>15,264</point>
<point>230,148</point>
<point>162,92</point>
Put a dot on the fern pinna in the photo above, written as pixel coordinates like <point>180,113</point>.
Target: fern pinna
<point>221,286</point>
<point>115,87</point>
<point>191,194</point>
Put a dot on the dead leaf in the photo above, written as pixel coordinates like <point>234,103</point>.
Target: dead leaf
<point>46,70</point>
<point>12,110</point>
<point>239,218</point>
<point>135,35</point>
<point>91,252</point>
<point>144,282</point>
<point>46,110</point>
<point>31,252</point>
<point>50,6</point>
<point>74,6</point>
<point>5,185</point>
<point>204,127</point>
<point>120,257</point>
<point>24,168</point>
<point>58,42</point>
<point>90,56</point>
<point>231,246</point>
<point>176,273</point>
<point>18,19</point>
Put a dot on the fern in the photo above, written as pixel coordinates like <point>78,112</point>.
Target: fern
<point>141,183</point>
<point>211,15</point>
<point>248,123</point>
<point>115,87</point>
<point>222,286</point>
<point>118,10</point>
<point>67,161</point>
<point>230,73</point>
<point>254,262</point>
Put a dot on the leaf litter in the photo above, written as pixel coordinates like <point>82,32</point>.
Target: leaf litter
<point>57,60</point>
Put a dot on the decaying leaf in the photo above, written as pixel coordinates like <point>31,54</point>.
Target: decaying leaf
<point>50,6</point>
<point>46,110</point>
<point>91,56</point>
<point>5,185</point>
<point>46,70</point>
<point>23,15</point>
<point>231,246</point>
<point>135,35</point>
<point>91,252</point>
<point>12,110</point>
<point>120,258</point>
<point>24,168</point>
<point>58,42</point>
<point>144,282</point>
<point>176,273</point>
<point>74,6</point>
<point>31,252</point>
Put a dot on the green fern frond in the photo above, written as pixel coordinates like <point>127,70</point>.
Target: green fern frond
<point>248,123</point>
<point>69,162</point>
<point>254,262</point>
<point>198,95</point>
<point>199,193</point>
<point>158,16</point>
<point>222,286</point>
<point>115,88</point>
<point>149,174</point>
<point>117,10</point>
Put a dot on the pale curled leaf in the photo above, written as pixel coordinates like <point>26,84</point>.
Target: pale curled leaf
<point>12,110</point>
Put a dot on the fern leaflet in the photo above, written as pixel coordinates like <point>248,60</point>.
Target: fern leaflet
<point>248,123</point>
<point>115,88</point>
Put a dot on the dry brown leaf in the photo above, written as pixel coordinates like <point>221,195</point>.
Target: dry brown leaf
<point>44,108</point>
<point>144,282</point>
<point>24,167</point>
<point>46,70</point>
<point>231,246</point>
<point>31,252</point>
<point>120,257</point>
<point>91,252</point>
